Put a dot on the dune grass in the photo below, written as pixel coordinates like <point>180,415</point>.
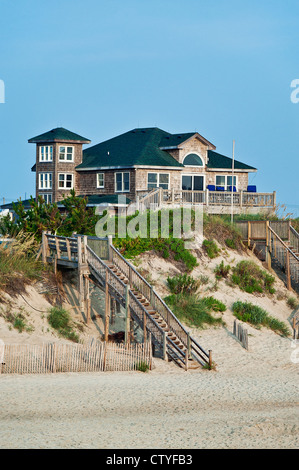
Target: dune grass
<point>247,312</point>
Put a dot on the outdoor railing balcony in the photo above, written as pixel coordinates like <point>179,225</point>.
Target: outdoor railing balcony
<point>241,199</point>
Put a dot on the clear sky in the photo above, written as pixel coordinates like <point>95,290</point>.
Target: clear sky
<point>102,67</point>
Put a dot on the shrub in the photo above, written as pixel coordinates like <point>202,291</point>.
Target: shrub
<point>230,242</point>
<point>214,304</point>
<point>60,320</point>
<point>250,278</point>
<point>142,366</point>
<point>211,248</point>
<point>182,284</point>
<point>221,270</point>
<point>292,302</point>
<point>192,310</point>
<point>257,316</point>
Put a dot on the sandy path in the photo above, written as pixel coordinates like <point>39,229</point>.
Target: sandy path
<point>166,408</point>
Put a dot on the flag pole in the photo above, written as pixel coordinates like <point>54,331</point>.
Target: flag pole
<point>233,164</point>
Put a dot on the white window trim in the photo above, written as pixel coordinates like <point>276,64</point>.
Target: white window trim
<point>226,185</point>
<point>47,194</point>
<point>194,174</point>
<point>158,179</point>
<point>122,182</point>
<point>98,186</point>
<point>50,154</point>
<point>64,187</point>
<point>65,160</point>
<point>49,180</point>
<point>194,166</point>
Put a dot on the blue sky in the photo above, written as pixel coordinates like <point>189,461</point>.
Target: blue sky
<point>100,68</point>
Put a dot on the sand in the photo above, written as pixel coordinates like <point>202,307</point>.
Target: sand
<point>250,401</point>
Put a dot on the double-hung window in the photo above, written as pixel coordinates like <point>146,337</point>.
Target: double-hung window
<point>66,154</point>
<point>100,180</point>
<point>46,153</point>
<point>122,182</point>
<point>65,181</point>
<point>157,180</point>
<point>45,181</point>
<point>225,181</point>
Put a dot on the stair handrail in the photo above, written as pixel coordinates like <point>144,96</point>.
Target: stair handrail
<point>283,243</point>
<point>173,317</point>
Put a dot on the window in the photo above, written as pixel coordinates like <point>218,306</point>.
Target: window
<point>225,181</point>
<point>47,198</point>
<point>45,181</point>
<point>122,182</point>
<point>157,180</point>
<point>46,153</point>
<point>65,181</point>
<point>193,160</point>
<point>100,180</point>
<point>66,154</point>
<point>192,183</point>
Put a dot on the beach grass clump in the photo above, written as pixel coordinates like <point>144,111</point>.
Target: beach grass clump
<point>251,278</point>
<point>182,284</point>
<point>60,320</point>
<point>214,304</point>
<point>142,366</point>
<point>220,228</point>
<point>192,310</point>
<point>257,316</point>
<point>292,302</point>
<point>211,248</point>
<point>18,265</point>
<point>222,270</point>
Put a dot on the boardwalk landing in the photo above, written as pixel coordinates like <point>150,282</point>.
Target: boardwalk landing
<point>98,260</point>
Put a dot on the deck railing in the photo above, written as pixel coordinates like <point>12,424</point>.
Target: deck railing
<point>159,197</point>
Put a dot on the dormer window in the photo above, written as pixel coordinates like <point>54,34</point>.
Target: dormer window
<point>66,154</point>
<point>46,153</point>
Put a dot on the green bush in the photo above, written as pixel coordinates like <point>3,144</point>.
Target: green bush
<point>142,366</point>
<point>230,242</point>
<point>292,302</point>
<point>192,310</point>
<point>182,284</point>
<point>221,270</point>
<point>214,304</point>
<point>211,248</point>
<point>250,278</point>
<point>247,312</point>
<point>60,320</point>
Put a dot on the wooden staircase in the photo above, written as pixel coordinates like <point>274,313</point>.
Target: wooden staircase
<point>154,315</point>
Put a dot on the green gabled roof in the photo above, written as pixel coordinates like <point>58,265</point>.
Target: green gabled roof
<point>136,147</point>
<point>216,160</point>
<point>59,135</point>
<point>173,140</point>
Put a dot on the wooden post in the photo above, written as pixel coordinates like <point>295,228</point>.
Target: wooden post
<point>68,247</point>
<point>110,254</point>
<point>144,328</point>
<point>288,273</point>
<point>210,359</point>
<point>248,232</point>
<point>207,197</point>
<point>44,250</point>
<point>128,319</point>
<point>241,198</point>
<point>79,248</point>
<point>164,347</point>
<point>84,253</point>
<point>107,307</point>
<point>87,299</point>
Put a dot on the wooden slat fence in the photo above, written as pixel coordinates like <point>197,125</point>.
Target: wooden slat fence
<point>241,333</point>
<point>56,357</point>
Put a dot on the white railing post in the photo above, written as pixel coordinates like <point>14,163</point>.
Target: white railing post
<point>207,197</point>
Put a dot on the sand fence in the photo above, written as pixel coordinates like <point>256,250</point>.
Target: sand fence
<point>95,356</point>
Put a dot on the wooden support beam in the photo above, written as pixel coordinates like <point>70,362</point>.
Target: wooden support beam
<point>87,298</point>
<point>107,306</point>
<point>68,247</point>
<point>288,272</point>
<point>128,317</point>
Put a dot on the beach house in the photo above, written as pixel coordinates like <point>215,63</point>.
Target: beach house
<point>181,168</point>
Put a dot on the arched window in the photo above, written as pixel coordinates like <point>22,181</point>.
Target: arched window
<point>192,159</point>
